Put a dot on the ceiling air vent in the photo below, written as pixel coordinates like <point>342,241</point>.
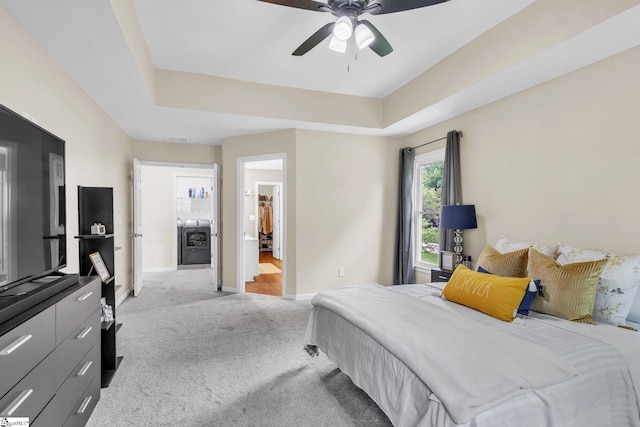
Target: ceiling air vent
<point>177,139</point>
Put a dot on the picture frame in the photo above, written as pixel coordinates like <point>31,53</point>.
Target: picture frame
<point>99,266</point>
<point>447,260</point>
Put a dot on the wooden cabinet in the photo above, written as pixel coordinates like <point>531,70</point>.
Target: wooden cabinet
<point>95,206</point>
<point>438,275</point>
<point>50,358</point>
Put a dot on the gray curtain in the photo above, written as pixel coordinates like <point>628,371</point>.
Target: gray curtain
<point>403,260</point>
<point>451,185</point>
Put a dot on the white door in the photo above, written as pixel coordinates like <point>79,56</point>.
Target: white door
<point>137,227</point>
<point>215,228</point>
<point>276,209</point>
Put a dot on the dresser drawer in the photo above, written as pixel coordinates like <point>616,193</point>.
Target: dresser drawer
<point>60,407</point>
<point>76,308</point>
<point>32,393</point>
<point>76,346</point>
<point>85,404</point>
<point>23,347</point>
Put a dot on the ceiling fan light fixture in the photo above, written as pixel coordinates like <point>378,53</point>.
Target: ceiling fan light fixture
<point>364,36</point>
<point>343,28</point>
<point>337,44</point>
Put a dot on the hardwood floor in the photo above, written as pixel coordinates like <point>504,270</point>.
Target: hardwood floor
<point>267,284</point>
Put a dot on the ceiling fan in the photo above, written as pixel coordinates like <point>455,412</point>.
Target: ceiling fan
<point>348,24</point>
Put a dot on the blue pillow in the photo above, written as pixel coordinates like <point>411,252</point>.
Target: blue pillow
<point>529,295</point>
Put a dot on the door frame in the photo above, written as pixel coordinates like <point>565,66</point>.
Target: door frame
<point>137,231</point>
<point>278,184</point>
<point>240,209</point>
<point>214,168</point>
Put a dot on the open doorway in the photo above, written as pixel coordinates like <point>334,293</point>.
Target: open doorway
<point>181,226</point>
<point>263,231</point>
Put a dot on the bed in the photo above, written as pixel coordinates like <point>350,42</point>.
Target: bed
<point>400,345</point>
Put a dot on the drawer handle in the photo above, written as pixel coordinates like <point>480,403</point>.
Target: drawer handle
<point>14,346</point>
<point>84,405</point>
<point>85,368</point>
<point>85,296</point>
<point>13,407</point>
<point>85,332</point>
<point>443,277</point>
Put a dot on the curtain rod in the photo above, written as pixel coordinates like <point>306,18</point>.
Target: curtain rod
<point>435,140</point>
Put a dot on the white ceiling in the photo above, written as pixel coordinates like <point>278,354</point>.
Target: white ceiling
<point>252,41</point>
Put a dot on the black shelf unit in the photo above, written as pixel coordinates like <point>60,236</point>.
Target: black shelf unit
<point>95,205</point>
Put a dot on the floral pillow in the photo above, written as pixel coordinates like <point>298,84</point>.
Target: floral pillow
<point>618,284</point>
<point>505,245</point>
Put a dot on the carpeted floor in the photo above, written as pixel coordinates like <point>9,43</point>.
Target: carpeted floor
<point>196,357</point>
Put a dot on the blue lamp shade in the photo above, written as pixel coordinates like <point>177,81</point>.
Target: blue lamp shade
<point>458,217</point>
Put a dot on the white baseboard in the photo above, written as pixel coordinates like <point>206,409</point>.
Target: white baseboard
<point>299,297</point>
<point>158,270</point>
<point>124,296</point>
<point>233,290</point>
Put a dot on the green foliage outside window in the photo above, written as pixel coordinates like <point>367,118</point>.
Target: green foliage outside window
<point>430,223</point>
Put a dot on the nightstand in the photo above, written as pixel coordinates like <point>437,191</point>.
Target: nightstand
<point>438,275</point>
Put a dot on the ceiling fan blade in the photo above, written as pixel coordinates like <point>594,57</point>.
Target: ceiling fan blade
<point>315,38</point>
<point>380,45</point>
<point>300,4</point>
<point>391,6</point>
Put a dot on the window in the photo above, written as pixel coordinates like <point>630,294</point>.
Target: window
<point>427,184</point>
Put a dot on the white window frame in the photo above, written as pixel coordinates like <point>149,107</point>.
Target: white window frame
<point>421,160</point>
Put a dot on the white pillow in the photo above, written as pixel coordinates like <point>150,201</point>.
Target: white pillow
<point>618,285</point>
<point>504,245</point>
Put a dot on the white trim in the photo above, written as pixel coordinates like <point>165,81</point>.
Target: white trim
<point>176,164</point>
<point>124,296</point>
<point>427,158</point>
<point>422,269</point>
<point>232,290</point>
<point>158,270</point>
<point>240,172</point>
<point>240,201</point>
<point>209,173</point>
<point>299,297</point>
<point>430,156</point>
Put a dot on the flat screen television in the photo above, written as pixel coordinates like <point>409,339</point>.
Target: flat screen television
<point>32,201</point>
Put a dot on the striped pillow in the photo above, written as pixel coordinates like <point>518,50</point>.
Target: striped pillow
<point>512,264</point>
<point>568,291</point>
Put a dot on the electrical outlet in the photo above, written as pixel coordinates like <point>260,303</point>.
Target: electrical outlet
<point>340,271</point>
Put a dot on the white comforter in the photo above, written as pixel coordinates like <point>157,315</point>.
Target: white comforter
<point>461,375</point>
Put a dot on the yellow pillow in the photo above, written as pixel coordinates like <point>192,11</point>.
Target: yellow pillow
<point>511,264</point>
<point>569,290</point>
<point>491,294</point>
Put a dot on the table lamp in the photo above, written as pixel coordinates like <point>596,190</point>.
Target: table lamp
<point>458,218</point>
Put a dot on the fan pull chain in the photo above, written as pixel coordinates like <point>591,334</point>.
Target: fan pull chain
<point>355,58</point>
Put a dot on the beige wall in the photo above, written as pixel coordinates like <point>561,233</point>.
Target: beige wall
<point>177,153</point>
<point>556,163</point>
<point>340,196</point>
<point>246,146</point>
<point>158,215</point>
<point>346,199</point>
<point>98,152</point>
